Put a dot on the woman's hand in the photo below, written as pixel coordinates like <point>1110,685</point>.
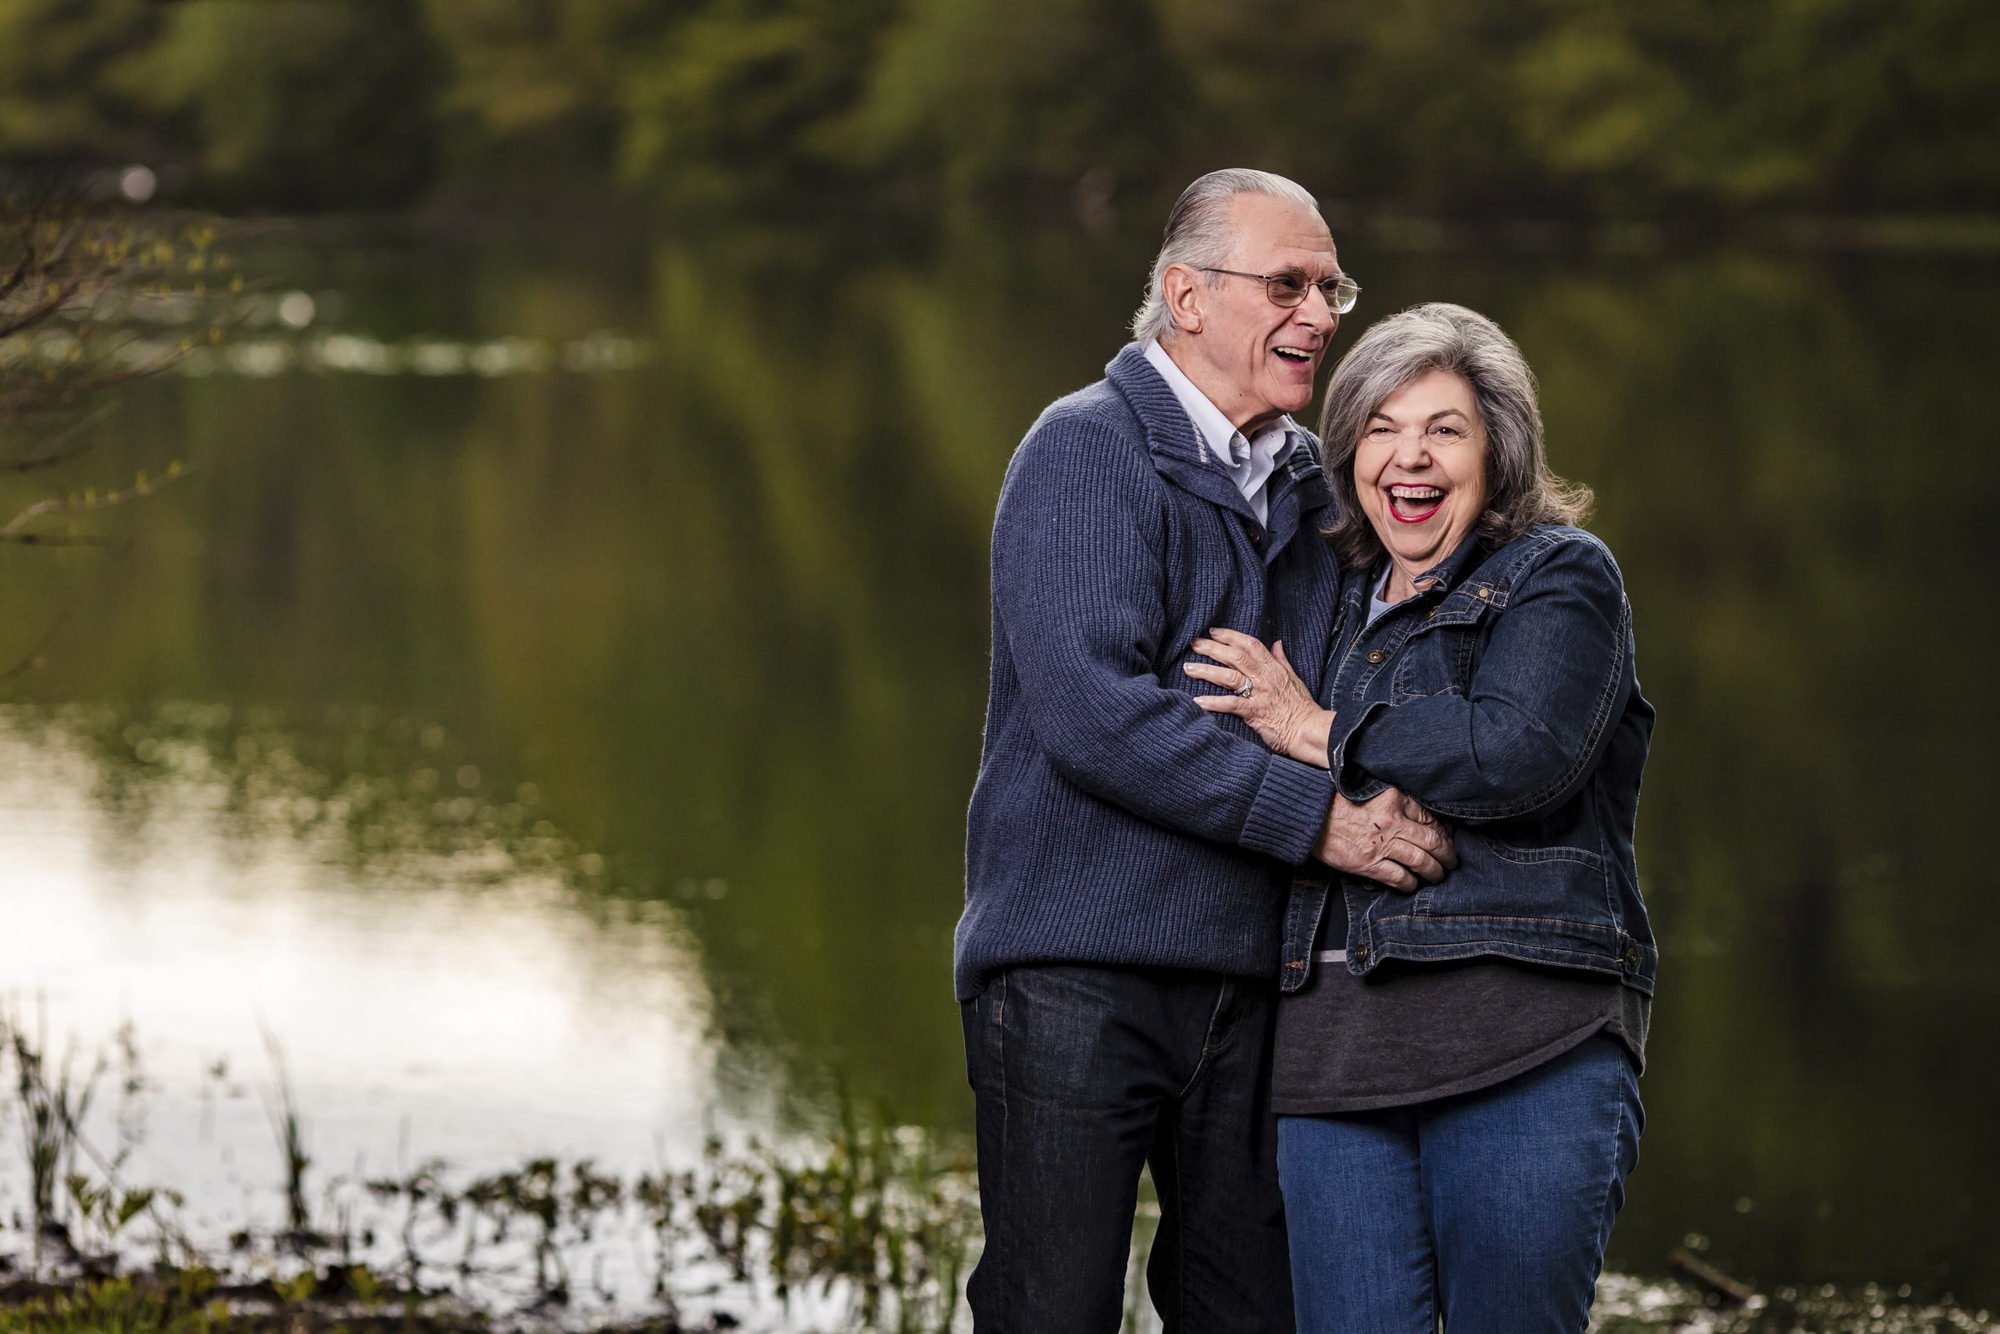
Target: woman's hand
<point>1278,708</point>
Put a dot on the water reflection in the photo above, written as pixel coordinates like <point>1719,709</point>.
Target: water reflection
<point>725,610</point>
<point>424,968</point>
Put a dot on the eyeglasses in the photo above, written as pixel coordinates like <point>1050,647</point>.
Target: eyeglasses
<point>1289,289</point>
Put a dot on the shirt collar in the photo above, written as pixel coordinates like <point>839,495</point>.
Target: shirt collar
<point>1224,441</point>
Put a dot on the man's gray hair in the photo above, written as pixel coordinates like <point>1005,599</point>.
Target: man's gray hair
<point>1201,233</point>
<point>1521,491</point>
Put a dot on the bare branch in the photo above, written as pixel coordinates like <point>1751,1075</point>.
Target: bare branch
<point>71,279</point>
<point>33,657</point>
<point>35,257</point>
<point>59,447</point>
<point>16,528</point>
<point>32,315</point>
<point>55,539</point>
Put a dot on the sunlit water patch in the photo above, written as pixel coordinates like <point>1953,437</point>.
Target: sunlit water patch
<point>418,953</point>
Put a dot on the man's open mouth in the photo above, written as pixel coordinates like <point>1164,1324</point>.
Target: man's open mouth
<point>1297,355</point>
<point>1414,504</point>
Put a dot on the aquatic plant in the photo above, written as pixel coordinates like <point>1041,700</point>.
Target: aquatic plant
<point>868,1225</point>
<point>52,1103</point>
<point>290,1130</point>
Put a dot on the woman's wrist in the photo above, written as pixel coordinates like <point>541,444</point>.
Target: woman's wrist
<point>1307,743</point>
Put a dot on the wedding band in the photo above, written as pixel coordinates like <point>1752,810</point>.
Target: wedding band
<point>1243,690</point>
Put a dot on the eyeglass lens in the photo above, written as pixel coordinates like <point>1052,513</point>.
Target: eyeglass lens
<point>1289,289</point>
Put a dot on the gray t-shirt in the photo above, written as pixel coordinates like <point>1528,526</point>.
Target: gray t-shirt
<point>1411,1032</point>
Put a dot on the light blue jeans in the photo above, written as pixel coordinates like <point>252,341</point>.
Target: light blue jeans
<point>1488,1211</point>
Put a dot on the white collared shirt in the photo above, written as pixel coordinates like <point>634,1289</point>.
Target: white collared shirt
<point>1250,462</point>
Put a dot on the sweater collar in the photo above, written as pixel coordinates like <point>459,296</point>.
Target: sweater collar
<point>1247,458</point>
<point>1180,454</point>
<point>1170,433</point>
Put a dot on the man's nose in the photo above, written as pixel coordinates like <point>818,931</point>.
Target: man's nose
<point>1314,311</point>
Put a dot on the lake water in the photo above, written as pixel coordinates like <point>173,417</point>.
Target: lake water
<point>547,714</point>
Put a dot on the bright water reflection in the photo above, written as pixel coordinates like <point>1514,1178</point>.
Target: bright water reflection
<point>440,996</point>
<point>723,612</point>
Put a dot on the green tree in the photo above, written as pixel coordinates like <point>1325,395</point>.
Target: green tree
<point>301,103</point>
<point>748,98</point>
<point>985,96</point>
<point>537,75</point>
<point>1835,104</point>
<point>65,75</point>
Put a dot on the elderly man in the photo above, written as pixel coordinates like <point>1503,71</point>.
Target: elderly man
<point>1128,854</point>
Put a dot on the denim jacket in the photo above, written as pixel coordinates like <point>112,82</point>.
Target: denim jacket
<point>1504,699</point>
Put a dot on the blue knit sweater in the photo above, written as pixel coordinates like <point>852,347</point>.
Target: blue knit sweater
<point>1113,821</point>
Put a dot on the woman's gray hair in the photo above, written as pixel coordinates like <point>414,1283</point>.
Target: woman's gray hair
<point>1201,233</point>
<point>1521,491</point>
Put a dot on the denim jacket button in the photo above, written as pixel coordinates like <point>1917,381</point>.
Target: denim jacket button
<point>1485,593</point>
<point>1376,655</point>
<point>1361,954</point>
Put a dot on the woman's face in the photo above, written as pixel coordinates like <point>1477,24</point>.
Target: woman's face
<point>1420,469</point>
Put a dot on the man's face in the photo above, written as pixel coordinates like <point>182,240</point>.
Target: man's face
<point>1254,359</point>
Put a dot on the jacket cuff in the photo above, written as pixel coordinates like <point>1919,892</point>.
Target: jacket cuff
<point>1290,810</point>
<point>1351,781</point>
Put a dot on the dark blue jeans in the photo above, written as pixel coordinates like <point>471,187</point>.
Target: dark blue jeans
<point>1082,1076</point>
<point>1489,1210</point>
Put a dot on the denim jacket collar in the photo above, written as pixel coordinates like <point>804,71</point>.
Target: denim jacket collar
<point>1444,576</point>
<point>1359,584</point>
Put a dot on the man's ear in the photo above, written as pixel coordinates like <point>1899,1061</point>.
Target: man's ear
<point>1184,291</point>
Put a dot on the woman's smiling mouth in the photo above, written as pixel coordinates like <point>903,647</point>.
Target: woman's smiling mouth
<point>1413,504</point>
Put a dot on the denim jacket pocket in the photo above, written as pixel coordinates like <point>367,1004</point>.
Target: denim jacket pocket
<point>1501,878</point>
<point>1440,653</point>
<point>1433,664</point>
<point>1535,856</point>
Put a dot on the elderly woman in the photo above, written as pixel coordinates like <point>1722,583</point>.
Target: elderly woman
<point>1456,1071</point>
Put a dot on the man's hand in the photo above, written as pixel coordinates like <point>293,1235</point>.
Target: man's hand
<point>1388,838</point>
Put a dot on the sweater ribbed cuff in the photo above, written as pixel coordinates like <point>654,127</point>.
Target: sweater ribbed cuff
<point>1290,810</point>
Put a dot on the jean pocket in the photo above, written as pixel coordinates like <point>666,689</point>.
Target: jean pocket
<point>982,1019</point>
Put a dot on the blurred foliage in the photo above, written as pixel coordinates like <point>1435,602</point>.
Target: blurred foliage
<point>299,103</point>
<point>981,95</point>
<point>69,74</point>
<point>748,98</point>
<point>1561,107</point>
